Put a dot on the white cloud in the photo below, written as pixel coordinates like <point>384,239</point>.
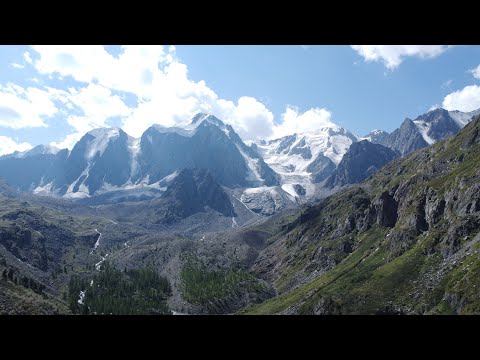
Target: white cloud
<point>27,57</point>
<point>133,70</point>
<point>393,55</point>
<point>96,105</point>
<point>97,101</point>
<point>17,66</point>
<point>467,99</point>
<point>68,142</point>
<point>476,72</point>
<point>250,118</point>
<point>165,94</point>
<point>295,122</point>
<point>8,145</point>
<point>22,108</point>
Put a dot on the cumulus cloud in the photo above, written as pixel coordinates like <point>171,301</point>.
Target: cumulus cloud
<point>27,57</point>
<point>476,72</point>
<point>295,122</point>
<point>23,108</point>
<point>250,118</point>
<point>68,142</point>
<point>467,99</point>
<point>160,82</point>
<point>393,55</point>
<point>8,145</point>
<point>134,70</point>
<point>94,106</point>
<point>163,92</point>
<point>97,104</point>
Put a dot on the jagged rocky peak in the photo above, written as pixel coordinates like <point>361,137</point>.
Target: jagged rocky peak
<point>362,160</point>
<point>97,140</point>
<point>376,136</point>
<point>425,130</point>
<point>436,125</point>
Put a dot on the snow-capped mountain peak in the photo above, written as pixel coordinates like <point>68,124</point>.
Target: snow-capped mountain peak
<point>297,157</point>
<point>37,150</point>
<point>99,140</point>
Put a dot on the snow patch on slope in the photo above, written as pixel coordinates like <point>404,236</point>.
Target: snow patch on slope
<point>462,118</point>
<point>424,128</point>
<point>134,151</point>
<point>252,164</point>
<point>183,131</point>
<point>43,190</point>
<point>288,188</point>
<point>170,177</point>
<point>102,138</point>
<point>83,191</point>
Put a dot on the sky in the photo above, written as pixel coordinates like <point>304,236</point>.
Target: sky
<point>55,94</point>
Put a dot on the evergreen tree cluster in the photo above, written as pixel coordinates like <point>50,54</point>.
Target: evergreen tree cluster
<point>201,286</point>
<point>9,274</point>
<point>131,292</point>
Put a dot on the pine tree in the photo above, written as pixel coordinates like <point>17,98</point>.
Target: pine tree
<point>4,274</point>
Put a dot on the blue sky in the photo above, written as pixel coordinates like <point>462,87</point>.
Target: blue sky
<point>54,94</point>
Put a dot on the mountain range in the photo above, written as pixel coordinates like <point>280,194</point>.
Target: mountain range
<point>193,220</point>
<point>107,165</point>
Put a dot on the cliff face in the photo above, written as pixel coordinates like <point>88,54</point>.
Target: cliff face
<point>189,193</point>
<point>362,160</point>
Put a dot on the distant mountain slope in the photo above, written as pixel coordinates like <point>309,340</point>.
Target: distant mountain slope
<point>306,158</point>
<point>362,160</point>
<point>189,193</point>
<point>208,144</point>
<point>425,130</point>
<point>108,160</point>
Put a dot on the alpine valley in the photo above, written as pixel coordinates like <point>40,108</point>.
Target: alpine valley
<point>193,220</point>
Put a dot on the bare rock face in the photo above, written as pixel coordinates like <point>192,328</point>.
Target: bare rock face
<point>362,160</point>
<point>434,207</point>
<point>406,139</point>
<point>189,193</point>
<point>387,208</point>
<point>321,168</point>
<point>299,189</point>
